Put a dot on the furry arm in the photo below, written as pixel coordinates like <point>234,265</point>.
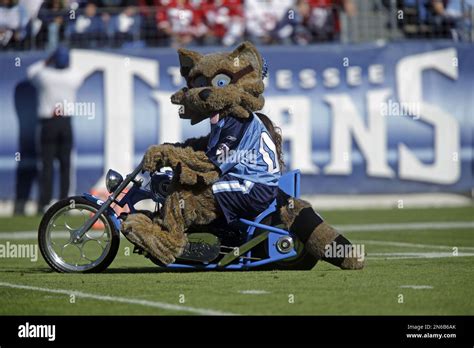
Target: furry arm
<point>197,144</point>
<point>188,165</point>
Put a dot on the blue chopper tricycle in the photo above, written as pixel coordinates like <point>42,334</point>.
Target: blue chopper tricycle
<point>81,234</point>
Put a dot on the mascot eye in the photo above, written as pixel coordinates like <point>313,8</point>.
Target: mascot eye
<point>200,81</point>
<point>221,80</point>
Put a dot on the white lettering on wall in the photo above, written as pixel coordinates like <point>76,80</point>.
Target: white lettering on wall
<point>446,128</point>
<point>118,91</point>
<point>371,139</point>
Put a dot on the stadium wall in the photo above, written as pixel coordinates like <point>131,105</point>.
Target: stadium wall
<point>367,118</point>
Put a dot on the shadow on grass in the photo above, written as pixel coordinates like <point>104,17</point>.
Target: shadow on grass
<point>157,269</point>
<point>26,271</point>
<point>163,270</point>
<point>136,270</point>
<point>120,270</point>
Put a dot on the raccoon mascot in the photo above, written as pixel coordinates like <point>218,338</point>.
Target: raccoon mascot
<point>231,173</point>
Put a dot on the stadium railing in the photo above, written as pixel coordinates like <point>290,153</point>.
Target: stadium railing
<point>372,20</point>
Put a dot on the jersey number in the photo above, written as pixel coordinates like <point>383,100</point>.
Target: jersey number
<point>273,166</point>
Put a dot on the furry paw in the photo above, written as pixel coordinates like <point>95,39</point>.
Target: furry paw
<point>190,177</point>
<point>209,177</point>
<point>186,176</point>
<point>352,263</point>
<point>151,237</point>
<point>136,222</point>
<point>156,157</point>
<point>132,226</point>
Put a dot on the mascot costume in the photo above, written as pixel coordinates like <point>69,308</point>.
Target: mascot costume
<point>233,172</point>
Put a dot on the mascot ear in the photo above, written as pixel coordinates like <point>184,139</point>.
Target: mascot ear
<point>187,59</point>
<point>250,53</point>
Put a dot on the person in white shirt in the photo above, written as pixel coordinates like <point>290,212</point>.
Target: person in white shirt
<point>56,84</point>
<point>262,16</point>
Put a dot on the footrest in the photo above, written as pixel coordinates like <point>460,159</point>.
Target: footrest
<point>201,247</point>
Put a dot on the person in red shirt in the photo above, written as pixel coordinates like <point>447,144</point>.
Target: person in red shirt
<point>181,21</point>
<point>225,21</point>
<point>149,32</point>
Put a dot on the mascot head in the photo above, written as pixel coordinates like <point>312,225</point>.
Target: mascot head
<point>220,84</point>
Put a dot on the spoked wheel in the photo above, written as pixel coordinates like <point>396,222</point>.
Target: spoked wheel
<point>94,252</point>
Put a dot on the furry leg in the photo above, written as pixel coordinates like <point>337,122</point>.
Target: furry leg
<point>165,238</point>
<point>300,218</point>
<point>325,238</point>
<point>151,237</point>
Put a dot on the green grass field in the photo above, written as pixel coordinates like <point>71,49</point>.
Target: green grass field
<point>409,270</point>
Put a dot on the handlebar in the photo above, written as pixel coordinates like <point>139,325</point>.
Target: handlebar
<point>128,179</point>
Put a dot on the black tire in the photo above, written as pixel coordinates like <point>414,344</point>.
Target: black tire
<point>302,262</point>
<point>43,245</point>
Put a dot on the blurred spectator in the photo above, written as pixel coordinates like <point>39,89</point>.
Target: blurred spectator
<point>15,21</point>
<point>428,18</point>
<point>52,15</point>
<point>460,13</point>
<point>96,23</point>
<point>225,21</point>
<point>450,19</point>
<point>262,17</point>
<point>180,23</point>
<point>149,30</point>
<point>324,22</point>
<point>56,84</point>
<point>89,29</point>
<point>115,3</point>
<point>200,31</point>
<point>125,27</point>
<point>10,19</point>
<point>293,27</point>
<point>438,19</point>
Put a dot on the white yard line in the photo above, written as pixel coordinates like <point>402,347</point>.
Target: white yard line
<point>146,303</point>
<point>399,256</point>
<point>253,292</point>
<point>412,245</point>
<point>416,287</point>
<point>406,226</point>
<point>28,235</point>
<point>411,226</point>
<point>22,235</point>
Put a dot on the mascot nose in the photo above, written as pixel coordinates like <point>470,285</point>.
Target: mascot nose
<point>204,94</point>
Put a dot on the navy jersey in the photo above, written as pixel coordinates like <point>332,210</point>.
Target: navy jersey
<point>244,149</point>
